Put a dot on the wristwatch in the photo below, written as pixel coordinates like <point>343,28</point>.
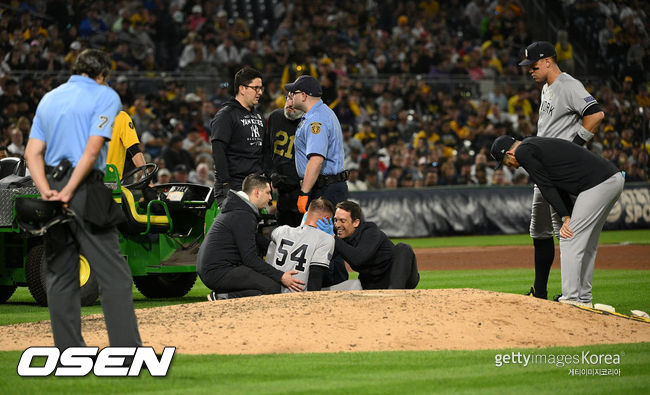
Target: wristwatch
<point>565,218</point>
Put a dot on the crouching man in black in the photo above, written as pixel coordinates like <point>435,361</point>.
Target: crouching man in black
<point>227,262</point>
<point>368,251</point>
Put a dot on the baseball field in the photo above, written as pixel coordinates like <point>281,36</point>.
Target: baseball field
<point>467,328</point>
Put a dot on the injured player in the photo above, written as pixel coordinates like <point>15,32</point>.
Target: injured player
<point>307,250</point>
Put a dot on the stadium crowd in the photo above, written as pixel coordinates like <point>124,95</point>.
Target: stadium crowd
<point>421,88</point>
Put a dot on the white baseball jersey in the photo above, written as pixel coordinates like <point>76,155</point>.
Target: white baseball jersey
<point>298,249</point>
<point>563,103</point>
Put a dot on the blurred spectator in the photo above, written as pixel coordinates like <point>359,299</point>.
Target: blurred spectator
<point>174,154</point>
<point>17,147</point>
<point>202,175</point>
<point>164,177</point>
<point>180,173</point>
<point>354,183</point>
<point>564,51</point>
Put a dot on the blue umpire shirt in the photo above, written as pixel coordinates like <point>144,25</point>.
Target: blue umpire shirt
<point>67,116</point>
<point>320,133</point>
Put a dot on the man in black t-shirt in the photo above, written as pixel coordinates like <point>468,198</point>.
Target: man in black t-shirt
<point>563,171</point>
<point>238,134</point>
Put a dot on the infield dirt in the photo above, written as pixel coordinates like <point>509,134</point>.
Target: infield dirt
<point>426,319</point>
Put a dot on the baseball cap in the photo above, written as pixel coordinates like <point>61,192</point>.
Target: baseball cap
<point>307,84</point>
<point>499,148</point>
<point>164,172</point>
<point>536,51</point>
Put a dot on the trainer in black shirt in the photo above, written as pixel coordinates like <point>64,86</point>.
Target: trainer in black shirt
<point>564,171</point>
<point>238,134</point>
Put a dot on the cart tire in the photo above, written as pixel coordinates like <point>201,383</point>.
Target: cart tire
<point>35,269</point>
<point>168,285</point>
<point>6,291</point>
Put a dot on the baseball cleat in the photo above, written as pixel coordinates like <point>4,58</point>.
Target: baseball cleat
<point>212,296</point>
<point>534,294</point>
<point>576,303</point>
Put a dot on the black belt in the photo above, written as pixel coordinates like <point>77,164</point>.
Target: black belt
<point>324,180</point>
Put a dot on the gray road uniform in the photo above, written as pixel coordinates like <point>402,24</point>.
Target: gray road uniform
<point>304,249</point>
<point>562,169</point>
<point>309,251</point>
<point>563,104</point>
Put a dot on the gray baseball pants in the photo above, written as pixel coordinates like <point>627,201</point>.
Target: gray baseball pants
<point>578,253</point>
<point>63,244</point>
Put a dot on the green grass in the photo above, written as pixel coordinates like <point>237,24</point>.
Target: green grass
<point>354,373</point>
<point>380,372</point>
<point>611,237</point>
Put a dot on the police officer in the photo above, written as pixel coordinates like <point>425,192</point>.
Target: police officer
<point>281,134</point>
<point>319,152</point>
<point>238,134</point>
<point>72,125</point>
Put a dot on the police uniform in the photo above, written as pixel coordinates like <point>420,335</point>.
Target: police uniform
<point>65,119</point>
<point>319,133</point>
<point>281,135</point>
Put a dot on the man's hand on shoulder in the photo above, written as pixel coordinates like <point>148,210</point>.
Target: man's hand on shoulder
<point>289,281</point>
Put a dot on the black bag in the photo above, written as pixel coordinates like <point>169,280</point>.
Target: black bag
<point>102,212</point>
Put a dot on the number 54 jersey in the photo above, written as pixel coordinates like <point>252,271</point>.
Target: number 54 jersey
<point>298,249</point>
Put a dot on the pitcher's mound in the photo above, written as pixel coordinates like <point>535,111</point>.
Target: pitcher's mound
<point>436,319</point>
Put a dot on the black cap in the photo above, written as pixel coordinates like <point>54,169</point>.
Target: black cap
<point>536,51</point>
<point>307,84</point>
<point>499,148</point>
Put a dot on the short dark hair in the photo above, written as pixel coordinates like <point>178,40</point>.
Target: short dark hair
<point>353,208</point>
<point>322,205</point>
<point>252,182</point>
<point>244,77</point>
<point>92,62</point>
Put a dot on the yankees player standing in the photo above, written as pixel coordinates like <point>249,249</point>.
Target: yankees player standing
<point>561,170</point>
<point>567,111</point>
<point>280,155</point>
<point>238,134</point>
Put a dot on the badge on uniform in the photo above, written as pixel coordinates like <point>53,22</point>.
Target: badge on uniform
<point>315,127</point>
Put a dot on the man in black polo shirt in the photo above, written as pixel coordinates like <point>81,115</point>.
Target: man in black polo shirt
<point>564,171</point>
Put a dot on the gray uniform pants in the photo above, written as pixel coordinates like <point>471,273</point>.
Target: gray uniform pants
<point>544,221</point>
<point>63,244</point>
<point>579,252</point>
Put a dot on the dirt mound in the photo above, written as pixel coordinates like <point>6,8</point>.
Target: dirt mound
<point>432,319</point>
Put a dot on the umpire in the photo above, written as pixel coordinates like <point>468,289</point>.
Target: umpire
<point>563,170</point>
<point>238,134</point>
<point>319,153</point>
<point>65,153</point>
<point>280,155</point>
